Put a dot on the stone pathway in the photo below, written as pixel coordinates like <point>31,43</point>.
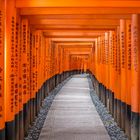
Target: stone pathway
<point>72,115</point>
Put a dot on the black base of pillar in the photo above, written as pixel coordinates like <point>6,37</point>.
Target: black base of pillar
<point>47,87</point>
<point>25,117</point>
<point>10,130</point>
<point>2,134</point>
<point>115,109</point>
<point>123,112</point>
<point>103,94</point>
<point>100,88</point>
<point>134,126</point>
<point>128,121</point>
<point>107,99</point>
<point>139,126</point>
<point>29,112</point>
<point>111,104</point>
<point>119,112</point>
<point>37,103</point>
<point>17,127</point>
<point>21,126</point>
<point>32,110</point>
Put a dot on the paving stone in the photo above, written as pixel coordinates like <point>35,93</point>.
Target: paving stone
<point>72,115</point>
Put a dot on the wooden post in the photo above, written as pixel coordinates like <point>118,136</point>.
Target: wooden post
<point>10,69</point>
<point>123,70</point>
<point>128,79</point>
<point>135,77</point>
<point>2,97</point>
<point>24,67</point>
<point>118,80</point>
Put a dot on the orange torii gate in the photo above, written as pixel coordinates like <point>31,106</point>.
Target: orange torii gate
<point>44,42</point>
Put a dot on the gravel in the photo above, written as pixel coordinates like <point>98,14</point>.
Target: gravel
<point>35,129</point>
<point>111,126</point>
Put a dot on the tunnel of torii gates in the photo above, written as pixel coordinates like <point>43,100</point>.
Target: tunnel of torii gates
<point>42,42</point>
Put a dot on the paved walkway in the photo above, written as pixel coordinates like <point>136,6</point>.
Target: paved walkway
<point>72,115</point>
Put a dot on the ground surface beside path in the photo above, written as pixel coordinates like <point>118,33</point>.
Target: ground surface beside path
<point>72,115</point>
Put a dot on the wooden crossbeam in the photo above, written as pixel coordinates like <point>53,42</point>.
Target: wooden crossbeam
<point>75,3</point>
<point>79,11</point>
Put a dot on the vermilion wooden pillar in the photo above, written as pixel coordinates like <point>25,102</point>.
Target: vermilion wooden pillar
<point>123,70</point>
<point>118,80</point>
<point>24,70</point>
<point>111,76</point>
<point>114,73</point>
<point>128,79</point>
<point>2,97</point>
<point>10,41</point>
<point>135,76</point>
<point>16,71</point>
<point>107,59</point>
